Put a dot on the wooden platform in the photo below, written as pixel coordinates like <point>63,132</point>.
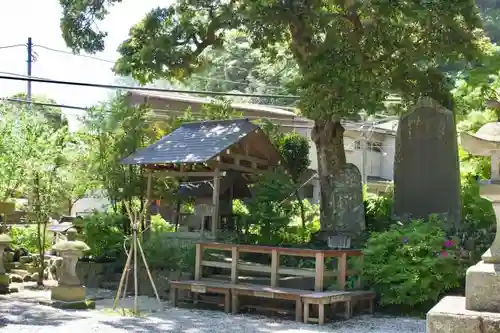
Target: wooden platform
<point>304,299</point>
<point>253,290</point>
<point>332,298</point>
<point>201,287</point>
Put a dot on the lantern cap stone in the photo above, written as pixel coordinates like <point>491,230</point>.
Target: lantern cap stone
<point>489,132</point>
<point>4,239</point>
<point>71,244</point>
<point>485,142</point>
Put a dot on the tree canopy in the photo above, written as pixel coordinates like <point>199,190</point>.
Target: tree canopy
<point>350,54</point>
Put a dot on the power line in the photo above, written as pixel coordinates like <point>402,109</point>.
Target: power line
<point>196,76</point>
<point>112,86</point>
<point>73,54</point>
<point>53,105</point>
<point>11,46</point>
<point>163,114</point>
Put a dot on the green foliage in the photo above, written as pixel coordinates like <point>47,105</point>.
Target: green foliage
<point>269,210</point>
<point>412,264</point>
<point>103,234</point>
<point>350,56</point>
<point>295,150</point>
<point>163,253</point>
<point>158,224</point>
<point>378,211</point>
<point>240,67</point>
<point>478,220</point>
<point>52,115</point>
<point>170,42</point>
<point>113,131</point>
<point>26,237</point>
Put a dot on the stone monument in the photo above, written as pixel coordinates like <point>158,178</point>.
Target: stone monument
<point>479,310</point>
<point>426,170</point>
<point>69,293</point>
<point>4,278</point>
<point>348,210</point>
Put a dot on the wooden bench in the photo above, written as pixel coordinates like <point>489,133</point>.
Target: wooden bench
<point>252,290</point>
<point>349,298</point>
<point>363,296</point>
<point>201,287</point>
<point>319,272</point>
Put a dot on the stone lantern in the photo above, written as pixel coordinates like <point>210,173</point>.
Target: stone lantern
<point>69,290</point>
<point>4,278</point>
<point>479,310</point>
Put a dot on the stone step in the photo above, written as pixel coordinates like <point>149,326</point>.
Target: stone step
<point>21,272</point>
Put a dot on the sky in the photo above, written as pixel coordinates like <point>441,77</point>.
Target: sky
<point>39,19</point>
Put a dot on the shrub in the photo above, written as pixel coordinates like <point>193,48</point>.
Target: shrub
<point>378,210</point>
<point>158,224</point>
<point>478,220</point>
<point>103,234</point>
<point>412,264</point>
<point>165,253</point>
<point>26,237</point>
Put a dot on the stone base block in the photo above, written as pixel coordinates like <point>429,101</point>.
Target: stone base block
<point>68,293</point>
<point>482,286</point>
<point>451,316</point>
<point>4,284</point>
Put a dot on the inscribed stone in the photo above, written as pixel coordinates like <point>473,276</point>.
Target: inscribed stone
<point>426,169</point>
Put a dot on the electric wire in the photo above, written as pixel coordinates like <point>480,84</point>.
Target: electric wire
<point>11,46</point>
<point>197,76</point>
<point>122,87</point>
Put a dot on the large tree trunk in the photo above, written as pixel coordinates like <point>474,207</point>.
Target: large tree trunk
<point>328,135</point>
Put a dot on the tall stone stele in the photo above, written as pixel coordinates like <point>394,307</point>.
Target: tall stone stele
<point>479,310</point>
<point>4,278</point>
<point>69,292</point>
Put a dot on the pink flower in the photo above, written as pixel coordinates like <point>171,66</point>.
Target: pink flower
<point>449,243</point>
<point>444,253</point>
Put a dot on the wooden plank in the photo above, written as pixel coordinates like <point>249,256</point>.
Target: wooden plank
<point>263,294</point>
<point>263,288</point>
<point>275,266</point>
<point>320,271</point>
<point>234,264</point>
<point>203,283</point>
<point>215,202</point>
<point>283,250</point>
<point>198,262</point>
<point>238,157</point>
<point>342,271</point>
<point>198,289</point>
<point>228,166</point>
<point>180,174</point>
<point>325,294</point>
<point>303,272</point>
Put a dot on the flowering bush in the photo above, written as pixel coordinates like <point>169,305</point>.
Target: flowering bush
<point>412,264</point>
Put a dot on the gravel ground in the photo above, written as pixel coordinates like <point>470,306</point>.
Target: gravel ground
<point>20,313</point>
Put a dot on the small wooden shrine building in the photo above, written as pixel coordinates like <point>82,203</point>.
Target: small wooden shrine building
<point>225,152</point>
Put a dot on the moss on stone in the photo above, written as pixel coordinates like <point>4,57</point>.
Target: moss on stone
<point>83,305</point>
<point>4,279</point>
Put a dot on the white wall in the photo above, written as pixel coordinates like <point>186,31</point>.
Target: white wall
<point>95,202</point>
<point>389,148</point>
<point>379,163</point>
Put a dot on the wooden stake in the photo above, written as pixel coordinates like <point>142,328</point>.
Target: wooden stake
<point>136,246</point>
<point>122,278</point>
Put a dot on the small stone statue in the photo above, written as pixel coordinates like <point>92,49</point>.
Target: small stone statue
<point>69,290</point>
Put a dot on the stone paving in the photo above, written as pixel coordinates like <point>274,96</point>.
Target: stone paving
<point>21,313</point>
